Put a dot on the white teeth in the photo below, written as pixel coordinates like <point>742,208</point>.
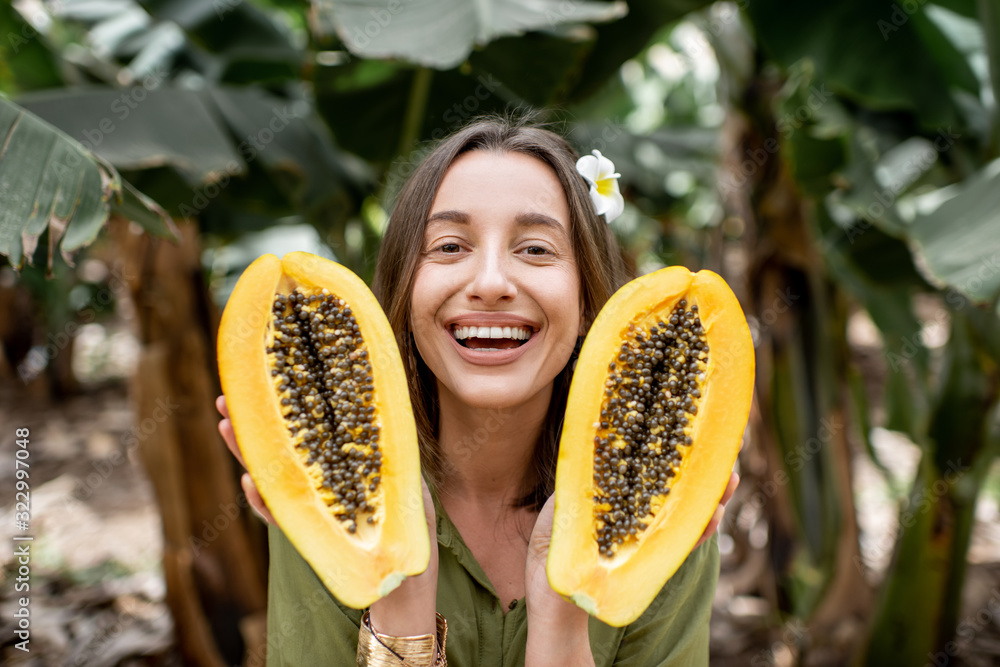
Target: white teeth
<point>515,333</point>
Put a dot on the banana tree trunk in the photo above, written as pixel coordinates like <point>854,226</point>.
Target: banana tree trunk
<point>802,383</point>
<point>214,549</point>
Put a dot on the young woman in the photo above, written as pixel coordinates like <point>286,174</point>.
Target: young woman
<point>495,228</point>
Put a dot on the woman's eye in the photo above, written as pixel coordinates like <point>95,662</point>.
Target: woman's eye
<point>536,250</point>
<point>450,248</point>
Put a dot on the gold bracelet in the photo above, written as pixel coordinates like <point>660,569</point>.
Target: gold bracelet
<point>378,650</point>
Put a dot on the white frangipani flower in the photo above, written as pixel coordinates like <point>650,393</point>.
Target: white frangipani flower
<point>600,173</point>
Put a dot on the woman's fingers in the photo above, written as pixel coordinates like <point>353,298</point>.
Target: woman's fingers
<point>720,510</point>
<point>541,534</point>
<point>253,497</point>
<point>734,481</point>
<point>220,405</point>
<point>713,525</point>
<point>249,488</point>
<point>226,430</point>
<point>429,512</point>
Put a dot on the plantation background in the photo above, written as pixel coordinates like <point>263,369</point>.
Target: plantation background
<point>837,163</point>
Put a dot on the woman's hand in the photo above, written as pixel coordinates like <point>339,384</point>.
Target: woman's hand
<point>720,511</point>
<point>410,609</point>
<point>557,629</point>
<point>249,488</point>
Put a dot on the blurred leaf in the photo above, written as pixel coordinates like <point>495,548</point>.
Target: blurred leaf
<point>49,182</point>
<point>140,129</point>
<point>877,270</point>
<point>905,401</point>
<point>989,20</point>
<point>625,38</point>
<point>963,7</point>
<point>645,161</point>
<point>26,63</point>
<point>957,244</point>
<point>142,210</point>
<point>112,31</point>
<point>209,137</point>
<point>92,11</point>
<point>881,260</point>
<point>860,411</point>
<point>966,393</point>
<point>315,173</point>
<point>861,192</point>
<point>368,118</point>
<point>365,108</point>
<point>539,69</point>
<point>556,64</point>
<point>896,60</point>
<point>259,66</point>
<point>815,162</point>
<point>158,47</point>
<point>984,325</point>
<point>223,40</point>
<point>794,419</point>
<point>223,25</point>
<point>442,33</point>
<point>296,5</point>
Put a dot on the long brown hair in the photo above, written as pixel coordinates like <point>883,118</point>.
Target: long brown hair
<point>598,259</point>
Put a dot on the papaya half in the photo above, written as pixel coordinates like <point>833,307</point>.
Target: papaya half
<point>318,400</point>
<point>656,412</point>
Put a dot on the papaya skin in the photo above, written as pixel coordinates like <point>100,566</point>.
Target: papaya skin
<point>618,589</point>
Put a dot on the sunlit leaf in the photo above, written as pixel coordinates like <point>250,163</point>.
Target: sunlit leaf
<point>957,244</point>
<point>222,25</point>
<point>442,33</point>
<point>141,129</point>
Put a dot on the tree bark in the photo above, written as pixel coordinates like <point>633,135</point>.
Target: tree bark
<point>214,547</point>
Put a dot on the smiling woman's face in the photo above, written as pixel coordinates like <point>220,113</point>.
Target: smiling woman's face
<point>496,306</point>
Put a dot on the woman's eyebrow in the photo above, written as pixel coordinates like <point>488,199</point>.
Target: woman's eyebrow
<point>529,219</point>
<point>533,219</point>
<point>459,217</point>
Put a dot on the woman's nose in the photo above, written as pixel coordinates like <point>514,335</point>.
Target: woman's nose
<point>492,282</point>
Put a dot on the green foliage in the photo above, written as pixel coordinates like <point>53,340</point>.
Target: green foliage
<point>903,201</point>
<point>896,58</point>
<point>51,184</point>
<point>26,62</point>
<point>956,241</point>
<point>253,117</point>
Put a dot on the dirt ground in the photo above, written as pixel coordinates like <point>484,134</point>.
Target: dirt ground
<point>97,593</point>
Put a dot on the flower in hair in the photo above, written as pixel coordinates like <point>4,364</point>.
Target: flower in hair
<point>600,174</point>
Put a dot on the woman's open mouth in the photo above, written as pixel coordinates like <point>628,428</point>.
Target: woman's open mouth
<point>491,338</point>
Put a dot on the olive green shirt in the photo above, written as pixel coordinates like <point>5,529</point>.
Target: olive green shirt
<point>307,626</point>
